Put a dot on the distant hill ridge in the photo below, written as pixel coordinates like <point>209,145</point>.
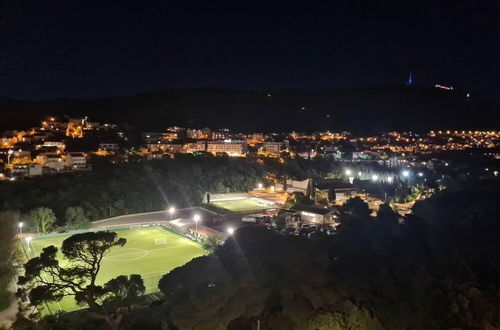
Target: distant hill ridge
<point>366,110</point>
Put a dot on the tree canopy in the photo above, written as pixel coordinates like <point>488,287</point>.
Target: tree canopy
<point>45,280</point>
<point>434,273</point>
<point>10,256</point>
<point>42,219</point>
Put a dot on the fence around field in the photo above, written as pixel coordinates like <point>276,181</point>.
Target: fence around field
<point>263,201</point>
<point>151,280</point>
<point>226,197</point>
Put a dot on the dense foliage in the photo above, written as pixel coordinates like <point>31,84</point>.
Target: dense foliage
<point>46,279</point>
<point>439,269</point>
<point>130,188</point>
<point>9,253</point>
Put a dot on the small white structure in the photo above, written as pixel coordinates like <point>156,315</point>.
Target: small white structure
<point>109,146</point>
<point>317,214</point>
<point>77,161</point>
<point>26,170</point>
<point>53,161</point>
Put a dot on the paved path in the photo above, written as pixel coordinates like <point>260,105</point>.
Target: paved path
<point>150,217</point>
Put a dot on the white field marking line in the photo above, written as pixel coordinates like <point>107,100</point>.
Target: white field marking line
<point>58,305</point>
<point>136,235</point>
<point>149,275</point>
<point>147,239</point>
<point>126,250</point>
<point>151,250</point>
<point>148,251</point>
<point>125,254</point>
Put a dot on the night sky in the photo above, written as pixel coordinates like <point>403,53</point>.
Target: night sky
<point>77,48</point>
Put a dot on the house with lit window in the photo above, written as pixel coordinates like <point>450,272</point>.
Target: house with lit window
<point>109,146</point>
<point>234,148</point>
<point>342,189</point>
<point>53,161</point>
<point>273,148</point>
<point>317,214</point>
<point>26,170</point>
<point>77,161</point>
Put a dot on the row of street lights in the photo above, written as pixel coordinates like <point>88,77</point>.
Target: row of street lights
<point>375,177</point>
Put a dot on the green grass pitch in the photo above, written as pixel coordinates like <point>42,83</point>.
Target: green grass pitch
<point>240,205</point>
<point>142,254</point>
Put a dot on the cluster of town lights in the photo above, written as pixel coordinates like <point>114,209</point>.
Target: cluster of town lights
<point>390,179</point>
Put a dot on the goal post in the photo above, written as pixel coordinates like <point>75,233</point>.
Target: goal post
<point>160,241</point>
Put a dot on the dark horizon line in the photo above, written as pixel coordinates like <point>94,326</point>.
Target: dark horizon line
<point>152,91</point>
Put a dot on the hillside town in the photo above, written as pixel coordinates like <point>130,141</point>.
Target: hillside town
<point>59,146</point>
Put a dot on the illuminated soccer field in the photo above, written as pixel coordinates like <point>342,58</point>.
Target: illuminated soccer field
<point>241,205</point>
<point>149,251</point>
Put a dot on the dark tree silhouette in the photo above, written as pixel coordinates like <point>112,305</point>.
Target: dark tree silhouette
<point>45,280</point>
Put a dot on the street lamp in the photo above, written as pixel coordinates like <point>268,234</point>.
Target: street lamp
<point>28,240</point>
<point>171,210</point>
<point>406,173</point>
<point>9,153</point>
<point>348,172</point>
<point>196,219</point>
<point>374,177</point>
<point>260,185</point>
<point>20,225</point>
<point>420,174</point>
<point>230,230</point>
<point>389,179</point>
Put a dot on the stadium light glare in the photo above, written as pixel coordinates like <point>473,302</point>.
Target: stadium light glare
<point>389,179</point>
<point>348,172</point>
<point>171,210</point>
<point>260,185</point>
<point>28,239</point>
<point>406,173</point>
<point>196,219</point>
<point>374,177</point>
<point>420,174</point>
<point>230,230</point>
<point>20,225</point>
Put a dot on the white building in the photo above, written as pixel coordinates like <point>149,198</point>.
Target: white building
<point>109,146</point>
<point>20,155</point>
<point>27,170</point>
<point>77,161</point>
<point>234,148</point>
<point>58,144</point>
<point>155,156</point>
<point>396,161</point>
<point>317,214</point>
<point>274,148</point>
<point>53,161</point>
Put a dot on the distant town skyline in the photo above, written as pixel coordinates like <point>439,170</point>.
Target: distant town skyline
<point>80,48</point>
